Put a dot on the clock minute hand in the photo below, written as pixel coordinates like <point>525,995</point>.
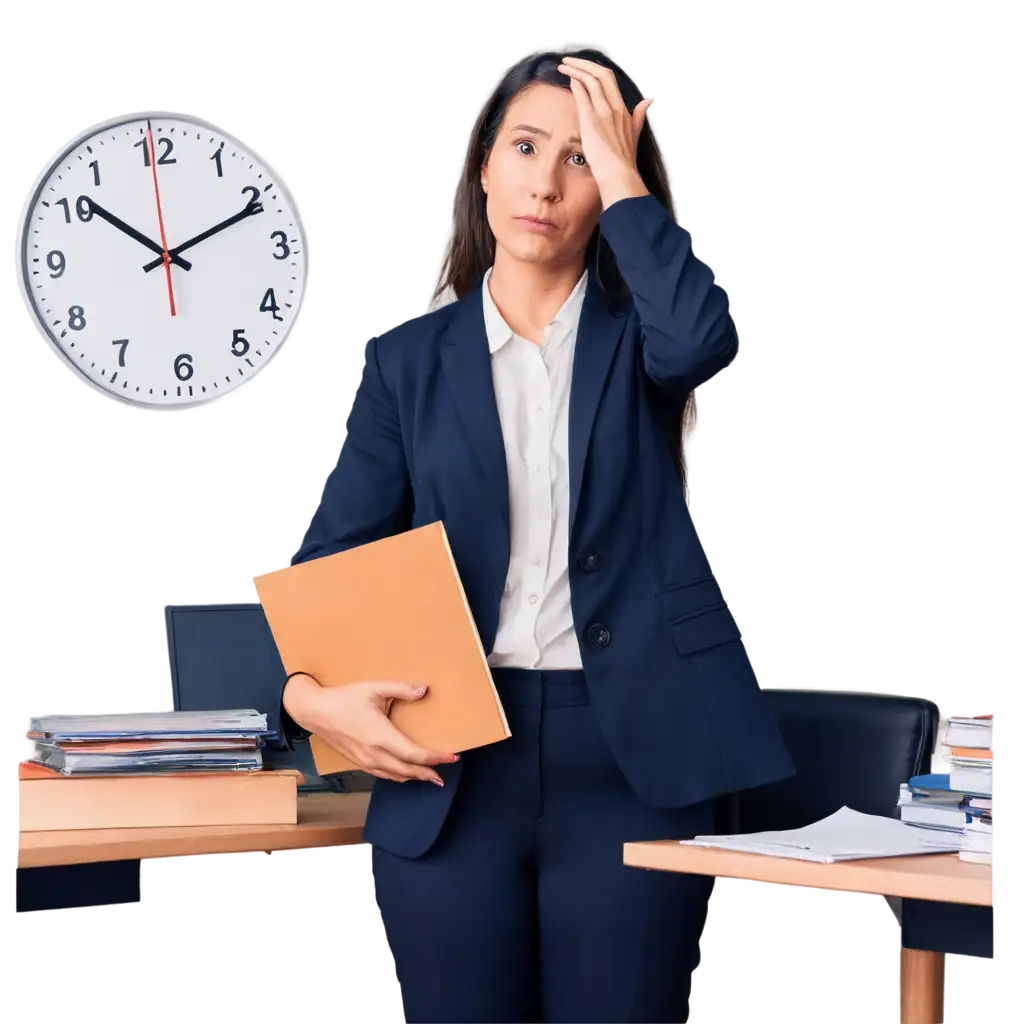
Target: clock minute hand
<point>250,210</point>
<point>132,233</point>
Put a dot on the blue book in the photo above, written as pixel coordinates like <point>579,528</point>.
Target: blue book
<point>940,783</point>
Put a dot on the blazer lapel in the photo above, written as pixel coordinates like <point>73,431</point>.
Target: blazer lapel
<point>601,322</point>
<point>466,361</point>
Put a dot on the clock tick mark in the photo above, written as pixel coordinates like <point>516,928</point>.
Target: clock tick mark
<point>113,377</point>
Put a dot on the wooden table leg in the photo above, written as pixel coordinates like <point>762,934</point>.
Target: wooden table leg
<point>922,985</point>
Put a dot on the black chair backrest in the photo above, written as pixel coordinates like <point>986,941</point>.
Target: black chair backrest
<point>851,749</point>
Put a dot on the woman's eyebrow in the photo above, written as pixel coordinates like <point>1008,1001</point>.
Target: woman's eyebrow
<point>540,131</point>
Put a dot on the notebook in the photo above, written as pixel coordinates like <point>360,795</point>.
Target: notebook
<point>391,609</point>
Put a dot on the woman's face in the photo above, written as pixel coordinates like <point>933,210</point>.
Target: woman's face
<point>536,168</point>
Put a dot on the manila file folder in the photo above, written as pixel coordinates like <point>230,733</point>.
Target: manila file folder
<point>391,609</point>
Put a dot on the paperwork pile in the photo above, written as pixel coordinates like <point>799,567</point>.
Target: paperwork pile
<point>845,835</point>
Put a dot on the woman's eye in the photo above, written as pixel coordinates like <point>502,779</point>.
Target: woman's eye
<point>524,142</point>
<point>583,159</point>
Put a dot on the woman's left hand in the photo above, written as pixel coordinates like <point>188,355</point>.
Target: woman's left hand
<point>608,132</point>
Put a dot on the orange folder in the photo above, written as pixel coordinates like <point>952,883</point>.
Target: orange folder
<point>391,609</point>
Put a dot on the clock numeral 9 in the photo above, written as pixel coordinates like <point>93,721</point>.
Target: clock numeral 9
<point>282,244</point>
<point>165,156</point>
<point>55,261</point>
<point>82,208</point>
<point>239,345</point>
<point>269,304</point>
<point>76,318</point>
<point>183,366</point>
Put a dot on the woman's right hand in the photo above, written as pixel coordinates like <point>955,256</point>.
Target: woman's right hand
<point>354,720</point>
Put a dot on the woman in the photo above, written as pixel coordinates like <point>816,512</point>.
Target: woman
<point>630,698</point>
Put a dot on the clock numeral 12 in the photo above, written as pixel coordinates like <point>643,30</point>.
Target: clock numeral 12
<point>183,366</point>
<point>269,304</point>
<point>165,156</point>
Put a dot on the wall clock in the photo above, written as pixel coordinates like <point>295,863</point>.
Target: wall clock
<point>161,259</point>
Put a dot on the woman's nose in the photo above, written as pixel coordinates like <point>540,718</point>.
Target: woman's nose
<point>546,184</point>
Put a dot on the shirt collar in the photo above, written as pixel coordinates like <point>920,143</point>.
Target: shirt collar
<point>499,332</point>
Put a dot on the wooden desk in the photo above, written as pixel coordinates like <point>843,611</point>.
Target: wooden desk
<point>325,819</point>
<point>942,878</point>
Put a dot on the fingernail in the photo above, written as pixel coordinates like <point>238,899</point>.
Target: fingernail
<point>437,782</point>
<point>455,757</point>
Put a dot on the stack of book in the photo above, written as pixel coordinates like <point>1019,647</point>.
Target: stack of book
<point>147,770</point>
<point>959,801</point>
<point>970,770</point>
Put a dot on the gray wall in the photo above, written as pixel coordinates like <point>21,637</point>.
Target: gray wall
<point>107,507</point>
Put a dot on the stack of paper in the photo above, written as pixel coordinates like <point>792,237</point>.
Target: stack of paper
<point>845,835</point>
<point>164,741</point>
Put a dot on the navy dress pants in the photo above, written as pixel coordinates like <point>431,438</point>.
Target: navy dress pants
<point>522,909</point>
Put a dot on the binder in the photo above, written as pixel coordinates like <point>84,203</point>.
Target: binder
<point>390,609</point>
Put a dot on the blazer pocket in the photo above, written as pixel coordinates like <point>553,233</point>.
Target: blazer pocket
<point>697,614</point>
<point>706,629</point>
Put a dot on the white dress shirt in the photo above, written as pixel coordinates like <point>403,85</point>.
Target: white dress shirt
<point>531,385</point>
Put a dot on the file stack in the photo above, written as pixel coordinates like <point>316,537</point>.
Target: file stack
<point>970,770</point>
<point>151,770</point>
<point>163,741</point>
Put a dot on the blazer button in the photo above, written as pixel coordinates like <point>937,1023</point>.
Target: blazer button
<point>599,635</point>
<point>589,562</point>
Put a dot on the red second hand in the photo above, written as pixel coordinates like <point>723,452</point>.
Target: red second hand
<point>160,217</point>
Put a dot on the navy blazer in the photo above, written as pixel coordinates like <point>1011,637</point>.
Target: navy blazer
<point>669,677</point>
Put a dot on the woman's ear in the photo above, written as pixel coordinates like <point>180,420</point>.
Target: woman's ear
<point>483,177</point>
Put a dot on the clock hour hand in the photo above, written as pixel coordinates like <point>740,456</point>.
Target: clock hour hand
<point>106,215</point>
<point>250,210</point>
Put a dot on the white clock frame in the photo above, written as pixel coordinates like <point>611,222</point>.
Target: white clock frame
<point>95,275</point>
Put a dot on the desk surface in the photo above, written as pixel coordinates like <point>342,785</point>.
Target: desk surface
<point>933,876</point>
<point>325,819</point>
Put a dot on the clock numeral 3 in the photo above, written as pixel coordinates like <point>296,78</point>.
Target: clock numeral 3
<point>55,261</point>
<point>82,208</point>
<point>239,345</point>
<point>76,318</point>
<point>282,244</point>
<point>123,342</point>
<point>183,366</point>
<point>164,158</point>
<point>269,304</point>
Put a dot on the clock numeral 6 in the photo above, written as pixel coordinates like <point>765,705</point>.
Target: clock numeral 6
<point>165,156</point>
<point>82,208</point>
<point>282,244</point>
<point>239,345</point>
<point>183,366</point>
<point>269,304</point>
<point>76,318</point>
<point>55,261</point>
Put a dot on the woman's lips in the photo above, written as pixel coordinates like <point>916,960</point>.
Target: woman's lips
<point>532,224</point>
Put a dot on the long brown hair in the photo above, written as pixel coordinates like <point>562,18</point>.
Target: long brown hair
<point>467,244</point>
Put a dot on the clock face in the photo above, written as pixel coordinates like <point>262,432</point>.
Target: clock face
<point>162,259</point>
